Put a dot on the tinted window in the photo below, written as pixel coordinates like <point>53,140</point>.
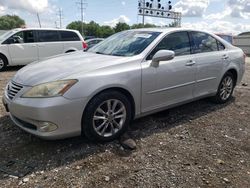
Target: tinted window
<point>177,42</point>
<point>21,37</point>
<point>203,42</point>
<point>69,36</point>
<point>48,36</point>
<point>29,36</point>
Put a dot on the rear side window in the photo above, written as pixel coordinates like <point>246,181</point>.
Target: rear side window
<point>203,42</point>
<point>220,46</point>
<point>48,36</point>
<point>178,42</point>
<point>69,36</point>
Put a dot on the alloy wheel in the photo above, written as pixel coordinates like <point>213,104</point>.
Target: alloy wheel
<point>226,88</point>
<point>109,117</point>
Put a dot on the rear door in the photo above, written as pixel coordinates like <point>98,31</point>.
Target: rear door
<point>22,48</point>
<point>70,40</point>
<point>173,81</point>
<point>49,43</point>
<point>210,56</point>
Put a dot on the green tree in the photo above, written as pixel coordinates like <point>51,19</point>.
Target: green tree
<point>140,25</point>
<point>106,31</point>
<point>92,29</point>
<point>121,27</point>
<point>8,22</point>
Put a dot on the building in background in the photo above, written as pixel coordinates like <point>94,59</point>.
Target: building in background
<point>243,41</point>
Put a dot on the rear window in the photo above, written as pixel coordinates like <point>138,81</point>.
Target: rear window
<point>69,36</point>
<point>48,36</point>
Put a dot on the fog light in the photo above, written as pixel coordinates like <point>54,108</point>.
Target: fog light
<point>46,127</point>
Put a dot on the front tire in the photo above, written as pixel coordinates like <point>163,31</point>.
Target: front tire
<point>226,88</point>
<point>3,63</point>
<point>107,116</point>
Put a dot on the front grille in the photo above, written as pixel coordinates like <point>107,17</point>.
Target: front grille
<point>13,89</point>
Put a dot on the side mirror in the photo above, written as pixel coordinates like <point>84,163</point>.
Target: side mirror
<point>162,55</point>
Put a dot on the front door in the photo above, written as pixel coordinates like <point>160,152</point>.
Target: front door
<point>23,48</point>
<point>172,81</point>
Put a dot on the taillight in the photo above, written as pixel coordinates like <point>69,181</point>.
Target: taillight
<point>84,45</point>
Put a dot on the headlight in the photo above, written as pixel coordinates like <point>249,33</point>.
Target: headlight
<point>51,89</point>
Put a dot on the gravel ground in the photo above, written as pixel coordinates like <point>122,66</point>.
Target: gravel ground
<point>196,145</point>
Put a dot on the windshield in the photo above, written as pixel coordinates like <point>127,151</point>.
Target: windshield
<point>6,34</point>
<point>127,43</point>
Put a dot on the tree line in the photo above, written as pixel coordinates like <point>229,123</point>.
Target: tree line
<point>92,28</point>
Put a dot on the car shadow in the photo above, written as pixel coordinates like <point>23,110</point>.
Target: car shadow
<point>12,68</point>
<point>27,150</point>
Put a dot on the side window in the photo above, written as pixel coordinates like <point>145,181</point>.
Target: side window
<point>17,38</point>
<point>29,36</point>
<point>177,42</point>
<point>221,47</point>
<point>203,42</point>
<point>48,36</point>
<point>69,36</point>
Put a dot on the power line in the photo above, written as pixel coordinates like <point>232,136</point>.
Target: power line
<point>83,6</point>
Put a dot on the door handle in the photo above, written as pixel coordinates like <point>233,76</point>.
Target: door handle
<point>190,63</point>
<point>225,57</point>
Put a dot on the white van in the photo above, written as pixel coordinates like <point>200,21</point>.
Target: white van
<point>23,46</point>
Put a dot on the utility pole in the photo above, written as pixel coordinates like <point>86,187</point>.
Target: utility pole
<point>39,20</point>
<point>83,6</point>
<point>143,17</point>
<point>60,12</point>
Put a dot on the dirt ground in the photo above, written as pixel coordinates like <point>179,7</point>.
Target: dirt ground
<point>196,145</point>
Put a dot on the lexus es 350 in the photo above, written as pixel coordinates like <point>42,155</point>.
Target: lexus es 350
<point>129,75</point>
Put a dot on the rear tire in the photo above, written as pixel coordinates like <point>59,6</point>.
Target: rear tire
<point>225,90</point>
<point>106,117</point>
<point>3,63</point>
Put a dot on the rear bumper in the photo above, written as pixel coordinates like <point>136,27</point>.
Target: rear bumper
<point>66,114</point>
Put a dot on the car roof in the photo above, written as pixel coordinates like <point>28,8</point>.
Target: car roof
<point>51,29</point>
<point>169,29</point>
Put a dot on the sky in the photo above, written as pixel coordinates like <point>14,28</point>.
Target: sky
<point>224,16</point>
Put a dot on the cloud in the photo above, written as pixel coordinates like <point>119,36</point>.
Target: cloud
<point>123,3</point>
<point>192,8</point>
<point>219,26</point>
<point>239,8</point>
<point>233,8</point>
<point>31,6</point>
<point>120,19</point>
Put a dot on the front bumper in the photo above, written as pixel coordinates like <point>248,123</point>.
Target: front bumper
<point>65,113</point>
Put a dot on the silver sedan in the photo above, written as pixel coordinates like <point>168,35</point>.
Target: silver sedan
<point>129,75</point>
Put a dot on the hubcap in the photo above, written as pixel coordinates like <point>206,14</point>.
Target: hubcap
<point>1,63</point>
<point>109,118</point>
<point>226,88</point>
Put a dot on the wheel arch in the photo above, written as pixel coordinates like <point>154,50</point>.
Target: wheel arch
<point>122,90</point>
<point>234,72</point>
<point>70,50</point>
<point>5,57</point>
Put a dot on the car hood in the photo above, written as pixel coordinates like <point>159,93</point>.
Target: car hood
<point>63,66</point>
